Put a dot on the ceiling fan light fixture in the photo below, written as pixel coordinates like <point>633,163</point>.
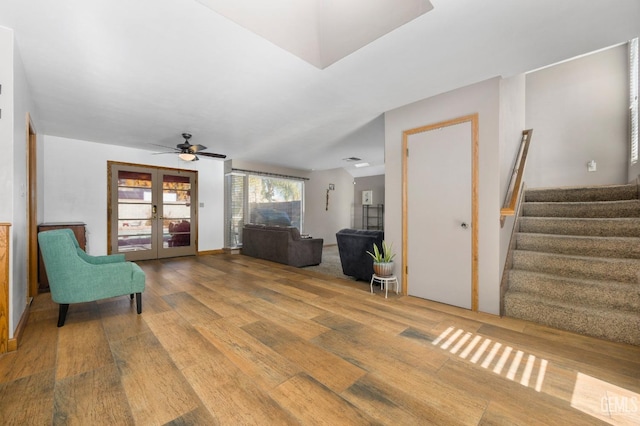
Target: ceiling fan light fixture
<point>187,156</point>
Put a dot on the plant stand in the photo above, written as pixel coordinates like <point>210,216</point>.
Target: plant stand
<point>384,283</point>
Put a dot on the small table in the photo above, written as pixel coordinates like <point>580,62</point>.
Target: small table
<point>384,283</point>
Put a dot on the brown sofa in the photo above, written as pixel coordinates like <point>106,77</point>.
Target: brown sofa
<point>281,244</point>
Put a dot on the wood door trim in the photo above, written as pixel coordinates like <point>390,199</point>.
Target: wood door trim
<point>195,219</point>
<point>32,210</point>
<point>473,119</point>
<point>121,163</point>
<point>4,286</point>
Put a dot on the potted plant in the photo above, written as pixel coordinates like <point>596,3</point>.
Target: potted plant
<point>382,259</point>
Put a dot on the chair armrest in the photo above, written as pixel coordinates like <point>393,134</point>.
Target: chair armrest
<point>100,260</point>
<point>305,252</point>
<point>88,282</point>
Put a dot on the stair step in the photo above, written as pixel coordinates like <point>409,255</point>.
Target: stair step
<point>596,293</point>
<point>590,193</point>
<point>609,227</point>
<point>618,326</point>
<point>593,209</point>
<point>597,268</point>
<point>621,247</point>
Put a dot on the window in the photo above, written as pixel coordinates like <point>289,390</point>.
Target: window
<point>633,98</point>
<point>262,199</point>
<point>235,208</point>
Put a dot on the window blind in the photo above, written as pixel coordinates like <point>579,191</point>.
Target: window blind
<point>235,209</point>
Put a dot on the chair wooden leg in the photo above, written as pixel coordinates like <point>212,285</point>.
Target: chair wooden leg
<point>62,313</point>
<point>139,302</point>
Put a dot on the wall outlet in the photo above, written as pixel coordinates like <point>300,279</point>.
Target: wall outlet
<point>591,166</point>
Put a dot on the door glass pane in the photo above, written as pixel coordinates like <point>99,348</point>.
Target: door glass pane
<point>176,211</point>
<point>134,211</point>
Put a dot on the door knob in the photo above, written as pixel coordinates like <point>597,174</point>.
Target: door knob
<point>464,225</point>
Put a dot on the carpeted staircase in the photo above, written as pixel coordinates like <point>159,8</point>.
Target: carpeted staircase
<point>576,262</point>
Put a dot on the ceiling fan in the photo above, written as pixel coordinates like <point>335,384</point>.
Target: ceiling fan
<point>188,152</point>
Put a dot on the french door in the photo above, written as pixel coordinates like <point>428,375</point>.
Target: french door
<point>152,211</point>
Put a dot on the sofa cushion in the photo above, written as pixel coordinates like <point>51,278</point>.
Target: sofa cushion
<point>281,244</point>
<point>295,233</point>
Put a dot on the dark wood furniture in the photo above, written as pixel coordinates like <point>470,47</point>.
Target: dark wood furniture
<point>78,228</point>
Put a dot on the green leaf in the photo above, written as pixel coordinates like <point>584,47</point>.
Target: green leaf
<point>386,255</point>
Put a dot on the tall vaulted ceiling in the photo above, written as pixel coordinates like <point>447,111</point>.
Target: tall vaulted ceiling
<point>136,73</point>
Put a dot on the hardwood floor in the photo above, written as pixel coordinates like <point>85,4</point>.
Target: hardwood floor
<point>227,339</point>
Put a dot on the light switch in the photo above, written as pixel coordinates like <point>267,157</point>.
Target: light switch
<point>201,204</point>
<point>591,166</point>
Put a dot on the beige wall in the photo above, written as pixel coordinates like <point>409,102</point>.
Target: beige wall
<point>512,123</point>
<point>579,112</point>
<point>482,98</point>
<point>323,223</point>
<point>373,183</point>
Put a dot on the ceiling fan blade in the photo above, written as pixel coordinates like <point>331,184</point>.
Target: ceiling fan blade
<point>166,152</point>
<point>197,148</point>
<point>164,146</point>
<point>212,155</point>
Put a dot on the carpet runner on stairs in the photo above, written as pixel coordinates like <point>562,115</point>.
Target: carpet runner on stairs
<point>576,263</point>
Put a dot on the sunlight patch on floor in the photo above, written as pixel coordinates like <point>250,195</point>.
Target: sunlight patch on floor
<point>595,397</point>
<point>509,362</point>
<point>605,401</point>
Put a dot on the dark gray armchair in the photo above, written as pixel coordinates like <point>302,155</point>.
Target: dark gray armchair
<point>353,245</point>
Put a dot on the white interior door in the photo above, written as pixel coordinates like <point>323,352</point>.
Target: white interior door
<point>439,212</point>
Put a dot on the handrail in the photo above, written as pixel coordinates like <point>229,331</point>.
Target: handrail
<point>515,184</point>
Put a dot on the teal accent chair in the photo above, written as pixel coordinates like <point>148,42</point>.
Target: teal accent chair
<point>76,277</point>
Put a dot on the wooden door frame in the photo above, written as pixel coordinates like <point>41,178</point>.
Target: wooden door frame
<point>195,217</point>
<point>32,210</point>
<point>473,119</point>
<point>31,213</point>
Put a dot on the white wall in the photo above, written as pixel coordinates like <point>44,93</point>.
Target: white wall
<point>482,98</point>
<point>22,103</point>
<point>15,102</point>
<point>579,112</point>
<point>323,223</point>
<point>6,170</point>
<point>512,123</point>
<point>75,187</point>
<point>373,183</point>
<point>6,125</point>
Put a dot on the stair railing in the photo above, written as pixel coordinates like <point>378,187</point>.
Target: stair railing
<point>515,184</point>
